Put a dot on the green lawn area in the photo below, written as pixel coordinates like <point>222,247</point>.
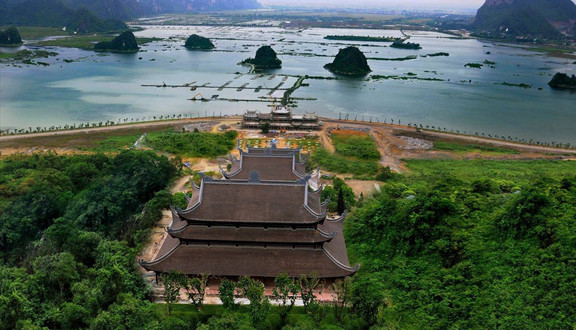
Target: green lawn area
<point>356,146</point>
<point>463,148</point>
<point>196,144</point>
<point>355,154</point>
<point>519,171</point>
<point>114,143</point>
<point>87,42</point>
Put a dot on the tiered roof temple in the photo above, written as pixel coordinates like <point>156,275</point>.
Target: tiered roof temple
<point>281,117</point>
<point>261,221</point>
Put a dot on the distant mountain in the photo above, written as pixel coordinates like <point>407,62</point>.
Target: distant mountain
<point>84,21</point>
<point>529,18</point>
<point>84,16</point>
<point>53,13</point>
<point>115,9</point>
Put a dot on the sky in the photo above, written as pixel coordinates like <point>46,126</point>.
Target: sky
<point>385,4</point>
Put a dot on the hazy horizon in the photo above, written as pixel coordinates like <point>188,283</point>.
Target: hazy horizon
<point>384,4</point>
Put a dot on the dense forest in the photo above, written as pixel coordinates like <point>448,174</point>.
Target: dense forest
<point>468,244</point>
<point>70,228</point>
<point>464,244</point>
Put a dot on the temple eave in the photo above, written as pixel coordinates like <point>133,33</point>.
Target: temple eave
<point>250,261</point>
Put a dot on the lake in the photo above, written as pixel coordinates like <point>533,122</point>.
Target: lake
<point>100,87</point>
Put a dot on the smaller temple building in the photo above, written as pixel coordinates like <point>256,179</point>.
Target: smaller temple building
<point>281,117</point>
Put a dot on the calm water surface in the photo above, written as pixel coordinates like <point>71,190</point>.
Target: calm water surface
<point>101,87</point>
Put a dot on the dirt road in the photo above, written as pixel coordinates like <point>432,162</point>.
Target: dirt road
<point>157,124</point>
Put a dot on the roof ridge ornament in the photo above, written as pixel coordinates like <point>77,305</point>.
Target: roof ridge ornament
<point>254,177</point>
<point>304,179</point>
<point>205,178</point>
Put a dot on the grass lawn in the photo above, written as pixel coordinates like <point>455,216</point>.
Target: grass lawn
<point>520,172</point>
<point>198,144</point>
<point>114,140</point>
<point>465,148</point>
<point>356,153</point>
<point>87,42</point>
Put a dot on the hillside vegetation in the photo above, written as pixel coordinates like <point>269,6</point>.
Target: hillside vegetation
<point>55,13</point>
<point>451,244</point>
<point>70,228</point>
<point>468,244</point>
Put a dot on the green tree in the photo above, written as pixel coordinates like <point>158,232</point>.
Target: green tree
<point>253,290</point>
<point>286,292</point>
<point>340,206</point>
<point>58,271</point>
<point>173,282</point>
<point>342,288</point>
<point>265,128</point>
<point>307,286</point>
<point>196,288</point>
<point>226,292</point>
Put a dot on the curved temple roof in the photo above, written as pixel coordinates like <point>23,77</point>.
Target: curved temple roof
<point>270,167</point>
<point>255,261</point>
<point>252,201</point>
<point>207,233</point>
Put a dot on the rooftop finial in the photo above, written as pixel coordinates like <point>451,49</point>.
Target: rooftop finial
<point>254,176</point>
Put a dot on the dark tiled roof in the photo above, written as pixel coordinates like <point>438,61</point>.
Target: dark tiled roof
<point>251,234</point>
<point>270,168</point>
<point>232,201</point>
<point>274,151</point>
<point>255,261</point>
<point>336,246</point>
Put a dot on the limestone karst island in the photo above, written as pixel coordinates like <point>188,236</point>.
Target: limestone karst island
<point>275,164</point>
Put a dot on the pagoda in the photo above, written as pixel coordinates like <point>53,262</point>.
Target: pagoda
<point>262,220</point>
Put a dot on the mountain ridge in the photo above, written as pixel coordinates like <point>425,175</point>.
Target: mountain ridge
<point>529,18</point>
<point>128,9</point>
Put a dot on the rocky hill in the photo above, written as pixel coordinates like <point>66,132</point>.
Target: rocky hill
<point>563,81</point>
<point>124,43</point>
<point>265,58</point>
<point>198,42</point>
<point>350,61</point>
<point>10,37</point>
<point>550,19</point>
